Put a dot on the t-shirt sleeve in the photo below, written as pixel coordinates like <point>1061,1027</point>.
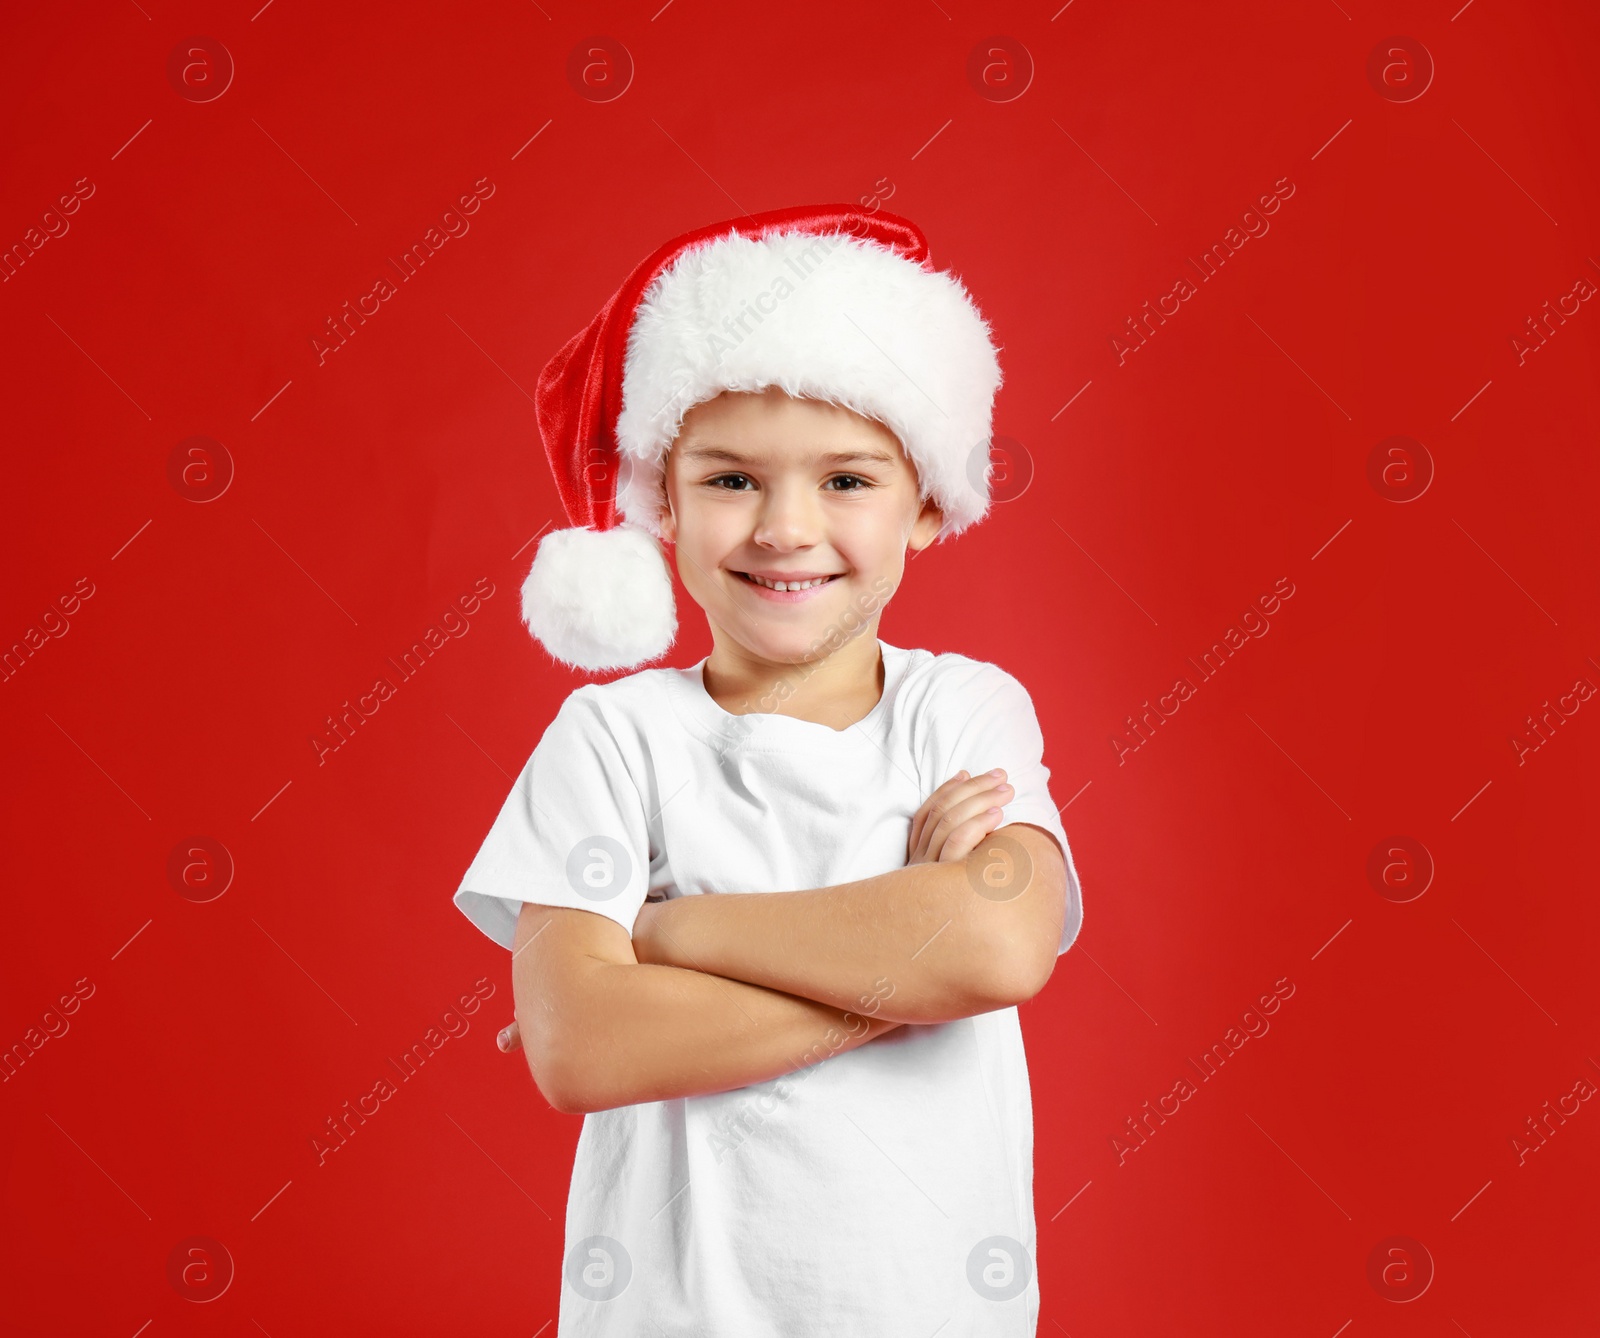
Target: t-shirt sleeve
<point>985,719</point>
<point>571,833</point>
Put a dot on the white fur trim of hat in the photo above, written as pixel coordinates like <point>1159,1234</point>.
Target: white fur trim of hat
<point>825,317</point>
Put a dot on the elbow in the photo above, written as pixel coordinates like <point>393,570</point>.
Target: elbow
<point>1015,984</point>
<point>564,1098</point>
<point>1019,940</point>
<point>1036,978</point>
<point>1017,971</point>
<point>585,1098</point>
<point>560,1082</point>
<point>576,1084</point>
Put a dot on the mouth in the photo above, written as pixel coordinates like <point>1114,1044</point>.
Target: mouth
<point>793,588</point>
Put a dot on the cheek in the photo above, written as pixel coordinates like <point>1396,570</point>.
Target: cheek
<point>873,536</point>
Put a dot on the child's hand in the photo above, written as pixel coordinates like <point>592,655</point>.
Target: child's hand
<point>956,817</point>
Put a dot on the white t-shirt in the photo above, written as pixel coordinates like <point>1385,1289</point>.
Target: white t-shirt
<point>879,1191</point>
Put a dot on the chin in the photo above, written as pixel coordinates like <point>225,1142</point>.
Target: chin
<point>785,646</point>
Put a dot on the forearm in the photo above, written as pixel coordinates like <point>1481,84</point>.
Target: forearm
<point>648,1032</point>
<point>916,945</point>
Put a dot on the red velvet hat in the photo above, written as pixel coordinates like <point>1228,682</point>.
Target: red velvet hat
<point>827,302</point>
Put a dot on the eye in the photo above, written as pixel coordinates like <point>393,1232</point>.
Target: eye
<point>857,483</point>
<point>729,482</point>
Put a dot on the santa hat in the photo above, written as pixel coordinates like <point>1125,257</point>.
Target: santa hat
<point>827,302</point>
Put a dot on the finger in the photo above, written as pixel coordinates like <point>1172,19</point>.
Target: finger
<point>970,835</point>
<point>920,818</point>
<point>959,789</point>
<point>973,818</point>
<point>1000,793</point>
<point>951,794</point>
<point>510,1038</point>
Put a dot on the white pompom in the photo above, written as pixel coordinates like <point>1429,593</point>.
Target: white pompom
<point>600,599</point>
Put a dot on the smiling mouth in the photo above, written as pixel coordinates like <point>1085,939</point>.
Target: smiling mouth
<point>788,586</point>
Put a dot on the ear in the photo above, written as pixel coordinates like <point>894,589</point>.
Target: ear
<point>665,518</point>
<point>927,526</point>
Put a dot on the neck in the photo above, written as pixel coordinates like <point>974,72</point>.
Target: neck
<point>836,689</point>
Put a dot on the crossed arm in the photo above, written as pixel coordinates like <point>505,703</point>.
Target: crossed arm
<point>717,992</point>
<point>918,944</point>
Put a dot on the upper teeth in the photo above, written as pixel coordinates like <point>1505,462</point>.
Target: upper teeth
<point>789,585</point>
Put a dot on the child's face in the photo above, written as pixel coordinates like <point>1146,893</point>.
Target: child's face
<point>790,489</point>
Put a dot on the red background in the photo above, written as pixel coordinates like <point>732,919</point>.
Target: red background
<point>372,489</point>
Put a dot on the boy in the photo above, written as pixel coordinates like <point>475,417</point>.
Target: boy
<point>806,1111</point>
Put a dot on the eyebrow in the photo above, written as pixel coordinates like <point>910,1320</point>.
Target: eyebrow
<point>833,457</point>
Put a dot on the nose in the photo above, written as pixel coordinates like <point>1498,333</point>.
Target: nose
<point>789,518</point>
